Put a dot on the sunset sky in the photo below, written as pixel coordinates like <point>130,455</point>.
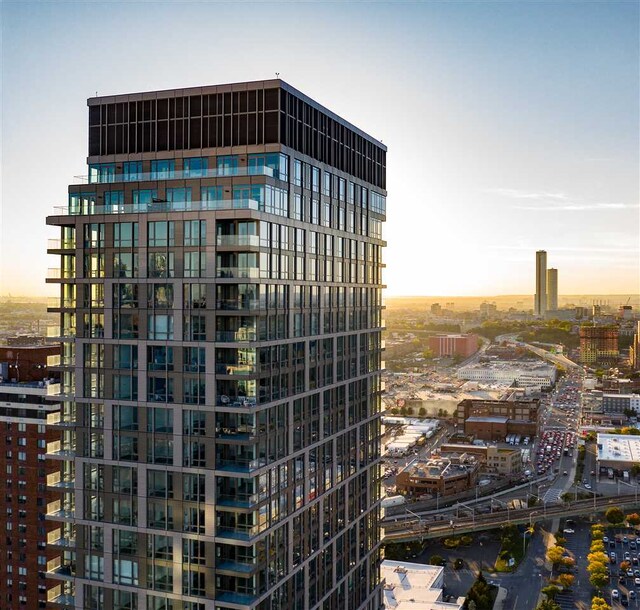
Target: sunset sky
<point>511,126</point>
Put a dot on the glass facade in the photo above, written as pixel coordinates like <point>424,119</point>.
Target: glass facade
<point>226,419</point>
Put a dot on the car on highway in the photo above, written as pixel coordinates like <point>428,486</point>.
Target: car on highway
<point>615,594</point>
<point>568,530</point>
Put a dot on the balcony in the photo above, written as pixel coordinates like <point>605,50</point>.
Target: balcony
<point>158,206</point>
<point>57,480</point>
<point>238,500</point>
<point>56,245</point>
<point>238,272</point>
<point>239,304</point>
<point>62,595</point>
<point>238,241</point>
<point>56,511</point>
<point>236,369</point>
<point>63,543</point>
<point>58,303</point>
<point>225,172</point>
<point>245,533</point>
<point>239,336</point>
<point>236,567</point>
<point>223,400</point>
<point>55,333</point>
<point>59,569</point>
<point>231,597</point>
<point>58,451</point>
<point>61,419</point>
<point>239,465</point>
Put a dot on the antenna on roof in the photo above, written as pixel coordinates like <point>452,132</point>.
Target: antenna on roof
<point>277,74</point>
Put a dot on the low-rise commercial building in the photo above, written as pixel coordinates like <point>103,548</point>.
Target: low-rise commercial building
<point>533,374</point>
<point>618,453</point>
<point>439,476</point>
<point>415,586</point>
<point>620,403</point>
<point>494,459</point>
<point>444,346</point>
<point>493,420</point>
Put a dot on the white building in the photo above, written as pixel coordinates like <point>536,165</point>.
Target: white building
<point>618,451</point>
<point>619,403</point>
<point>415,586</point>
<point>523,374</point>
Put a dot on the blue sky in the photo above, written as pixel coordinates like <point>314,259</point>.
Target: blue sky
<point>511,126</point>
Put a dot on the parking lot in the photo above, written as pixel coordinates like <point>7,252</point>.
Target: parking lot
<point>623,544</point>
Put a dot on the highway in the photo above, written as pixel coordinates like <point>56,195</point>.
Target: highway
<point>420,529</point>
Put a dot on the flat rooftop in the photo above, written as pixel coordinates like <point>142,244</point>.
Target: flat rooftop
<point>437,467</point>
<point>618,448</point>
<point>412,586</point>
<point>494,419</point>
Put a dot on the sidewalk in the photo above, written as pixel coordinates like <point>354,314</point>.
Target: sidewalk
<point>500,599</point>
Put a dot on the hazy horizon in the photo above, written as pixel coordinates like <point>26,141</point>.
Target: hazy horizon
<point>511,126</point>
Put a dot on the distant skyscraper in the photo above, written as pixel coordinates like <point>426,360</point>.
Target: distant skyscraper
<point>540,304</point>
<point>552,289</point>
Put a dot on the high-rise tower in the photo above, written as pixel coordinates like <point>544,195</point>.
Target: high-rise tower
<point>220,303</point>
<point>540,304</point>
<point>552,289</point>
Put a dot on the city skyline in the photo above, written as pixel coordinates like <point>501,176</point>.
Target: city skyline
<point>514,126</point>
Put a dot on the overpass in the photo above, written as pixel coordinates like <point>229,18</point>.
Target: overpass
<point>418,529</point>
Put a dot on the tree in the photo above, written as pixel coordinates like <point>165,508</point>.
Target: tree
<point>625,565</point>
<point>547,604</point>
<point>597,546</point>
<point>436,560</point>
<point>568,562</point>
<point>614,515</point>
<point>551,591</point>
<point>599,580</point>
<point>566,580</point>
<point>422,412</point>
<point>635,470</point>
<point>633,519</point>
<point>598,603</point>
<point>555,554</point>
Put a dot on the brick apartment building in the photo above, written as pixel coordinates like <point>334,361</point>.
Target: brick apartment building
<point>439,476</point>
<point>26,388</point>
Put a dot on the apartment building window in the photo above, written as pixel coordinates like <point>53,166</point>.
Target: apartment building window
<point>132,171</point>
<point>125,234</point>
<point>159,358</point>
<point>195,167</point>
<point>195,232</point>
<point>125,357</point>
<point>125,264</point>
<point>160,296</point>
<point>227,165</point>
<point>195,296</point>
<point>179,198</point>
<point>161,265</point>
<point>161,233</point>
<point>195,264</point>
<point>163,169</point>
<point>125,325</point>
<point>125,417</point>
<point>143,199</point>
<point>114,201</point>
<point>195,327</point>
<point>211,194</point>
<point>160,327</point>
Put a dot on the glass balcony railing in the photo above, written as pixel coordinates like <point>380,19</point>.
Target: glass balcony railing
<point>61,244</point>
<point>240,335</point>
<point>157,206</point>
<point>225,172</point>
<point>238,272</point>
<point>239,304</point>
<point>235,369</point>
<point>57,303</point>
<point>238,240</point>
<point>224,400</point>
